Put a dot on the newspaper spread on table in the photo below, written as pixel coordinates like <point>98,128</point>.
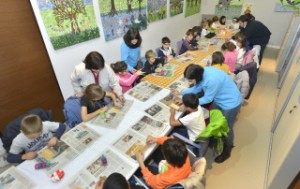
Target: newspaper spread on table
<point>113,116</point>
<point>144,91</point>
<point>103,165</point>
<point>203,46</point>
<point>72,143</point>
<point>178,85</point>
<point>149,126</point>
<point>159,111</point>
<point>130,143</point>
<point>168,70</point>
<point>13,178</point>
<point>186,57</point>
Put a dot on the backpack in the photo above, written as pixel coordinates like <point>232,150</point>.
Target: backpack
<point>72,111</point>
<point>13,128</point>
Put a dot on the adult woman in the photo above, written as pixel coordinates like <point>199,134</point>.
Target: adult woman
<point>94,70</point>
<point>130,49</point>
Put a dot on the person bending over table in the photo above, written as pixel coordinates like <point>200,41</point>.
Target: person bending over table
<point>220,88</point>
<point>94,70</point>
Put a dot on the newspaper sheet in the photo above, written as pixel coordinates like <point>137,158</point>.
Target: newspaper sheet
<point>159,111</point>
<point>170,100</point>
<point>106,163</point>
<point>113,116</point>
<point>186,57</point>
<point>179,85</point>
<point>130,143</point>
<point>144,91</point>
<point>149,126</point>
<point>12,178</point>
<point>168,70</point>
<point>71,144</point>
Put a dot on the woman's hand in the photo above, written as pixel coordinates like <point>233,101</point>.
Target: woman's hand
<point>122,99</point>
<point>139,72</point>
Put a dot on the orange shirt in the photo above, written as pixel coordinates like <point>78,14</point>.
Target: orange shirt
<point>224,67</point>
<point>169,177</point>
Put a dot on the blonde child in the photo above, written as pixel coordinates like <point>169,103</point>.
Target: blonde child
<point>218,61</point>
<point>230,55</point>
<point>34,136</point>
<point>93,100</point>
<point>153,64</point>
<point>187,42</point>
<point>204,31</point>
<point>126,79</point>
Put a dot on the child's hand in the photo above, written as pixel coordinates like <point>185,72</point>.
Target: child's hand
<point>158,70</point>
<point>139,156</point>
<point>52,142</point>
<point>118,105</point>
<point>178,101</point>
<point>172,110</point>
<point>29,155</point>
<point>100,183</point>
<point>133,70</point>
<point>151,140</point>
<point>139,72</point>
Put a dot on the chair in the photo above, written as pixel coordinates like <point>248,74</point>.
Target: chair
<point>179,44</point>
<point>13,128</point>
<point>72,111</point>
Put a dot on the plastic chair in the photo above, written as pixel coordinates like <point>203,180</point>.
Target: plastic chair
<point>179,44</point>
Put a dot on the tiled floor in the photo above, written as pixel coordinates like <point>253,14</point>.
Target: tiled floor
<point>246,168</point>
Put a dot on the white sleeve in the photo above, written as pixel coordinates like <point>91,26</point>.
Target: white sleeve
<point>186,120</point>
<point>76,80</point>
<point>17,145</point>
<point>50,126</point>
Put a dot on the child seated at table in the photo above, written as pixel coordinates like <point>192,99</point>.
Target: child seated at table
<point>115,181</point>
<point>193,118</point>
<point>187,43</point>
<point>230,55</point>
<point>166,53</point>
<point>126,79</point>
<point>153,64</point>
<point>93,100</point>
<point>177,166</point>
<point>34,136</point>
<point>196,35</point>
<point>204,26</point>
<point>218,61</point>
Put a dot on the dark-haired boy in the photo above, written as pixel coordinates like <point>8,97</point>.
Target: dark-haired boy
<point>178,163</point>
<point>193,118</point>
<point>166,53</point>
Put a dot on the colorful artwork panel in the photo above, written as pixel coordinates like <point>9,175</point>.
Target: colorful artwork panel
<point>176,7</point>
<point>287,6</point>
<point>192,7</point>
<point>68,22</point>
<point>157,10</point>
<point>228,8</point>
<point>119,15</point>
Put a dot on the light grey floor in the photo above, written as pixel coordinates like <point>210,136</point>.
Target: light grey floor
<point>247,166</point>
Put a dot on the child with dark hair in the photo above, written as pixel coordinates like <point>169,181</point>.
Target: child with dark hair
<point>126,79</point>
<point>196,35</point>
<point>222,20</point>
<point>130,49</point>
<point>230,55</point>
<point>178,163</point>
<point>193,118</point>
<point>218,61</point>
<point>187,43</point>
<point>152,64</point>
<point>166,53</point>
<point>115,181</point>
<point>93,100</point>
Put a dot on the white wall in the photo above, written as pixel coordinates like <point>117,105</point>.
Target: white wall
<point>64,60</point>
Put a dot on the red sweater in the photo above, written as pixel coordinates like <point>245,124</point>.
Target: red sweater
<point>126,81</point>
<point>169,177</point>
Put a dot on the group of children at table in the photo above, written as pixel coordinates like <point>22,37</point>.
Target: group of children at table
<point>36,134</point>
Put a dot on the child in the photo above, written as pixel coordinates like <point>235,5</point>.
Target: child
<point>93,100</point>
<point>235,23</point>
<point>230,55</point>
<point>187,42</point>
<point>178,163</point>
<point>193,119</point>
<point>166,53</point>
<point>115,181</point>
<point>196,35</point>
<point>204,31</point>
<point>218,61</point>
<point>152,64</point>
<point>215,24</point>
<point>34,136</point>
<point>126,79</point>
<point>222,21</point>
<point>245,55</point>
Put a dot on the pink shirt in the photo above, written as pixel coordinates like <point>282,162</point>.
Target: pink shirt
<point>231,59</point>
<point>126,80</point>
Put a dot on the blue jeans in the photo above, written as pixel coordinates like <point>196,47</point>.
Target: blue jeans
<point>230,116</point>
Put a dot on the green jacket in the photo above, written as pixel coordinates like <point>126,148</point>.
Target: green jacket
<point>217,128</point>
